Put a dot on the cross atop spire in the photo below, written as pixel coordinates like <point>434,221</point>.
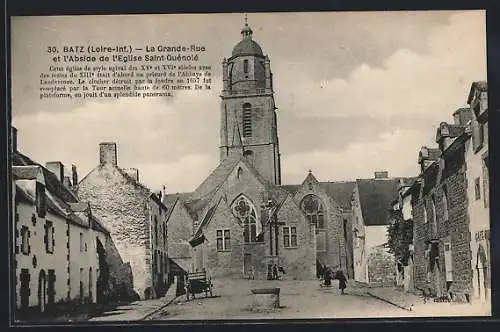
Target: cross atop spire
<point>246,32</point>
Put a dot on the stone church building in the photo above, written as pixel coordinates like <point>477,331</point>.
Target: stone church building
<point>241,220</point>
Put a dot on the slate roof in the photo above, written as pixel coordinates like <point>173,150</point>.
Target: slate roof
<point>60,199</point>
<point>23,193</point>
<point>52,183</point>
<point>340,192</point>
<point>375,199</point>
<point>247,47</point>
<point>429,153</point>
<point>217,177</point>
<point>26,172</point>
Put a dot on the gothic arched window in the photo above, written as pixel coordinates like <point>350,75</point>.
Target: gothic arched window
<point>312,207</point>
<point>247,120</point>
<point>244,210</point>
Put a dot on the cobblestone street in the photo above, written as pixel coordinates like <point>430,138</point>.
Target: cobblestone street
<point>306,299</point>
<point>298,299</point>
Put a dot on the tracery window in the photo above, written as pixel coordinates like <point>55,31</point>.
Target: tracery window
<point>312,206</point>
<point>244,210</point>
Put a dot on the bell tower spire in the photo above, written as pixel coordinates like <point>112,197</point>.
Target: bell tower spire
<point>248,112</point>
<point>246,32</point>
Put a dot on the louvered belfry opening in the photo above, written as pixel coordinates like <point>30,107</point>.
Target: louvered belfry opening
<point>247,120</point>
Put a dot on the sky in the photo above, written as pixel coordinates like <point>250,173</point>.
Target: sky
<point>356,92</point>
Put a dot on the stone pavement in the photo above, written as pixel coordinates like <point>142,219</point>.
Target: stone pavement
<point>415,304</point>
<point>139,310</point>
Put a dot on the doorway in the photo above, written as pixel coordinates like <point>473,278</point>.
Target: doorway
<point>247,262</point>
<point>42,291</point>
<point>482,274</point>
<point>25,289</point>
<point>91,298</point>
<point>51,288</point>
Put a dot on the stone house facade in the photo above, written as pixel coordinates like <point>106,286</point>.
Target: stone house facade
<point>372,199</point>
<point>477,165</point>
<point>57,261</point>
<point>136,219</point>
<point>441,222</point>
<point>402,207</point>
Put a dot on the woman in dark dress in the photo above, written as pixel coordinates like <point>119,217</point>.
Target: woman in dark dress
<point>342,281</point>
<point>328,277</point>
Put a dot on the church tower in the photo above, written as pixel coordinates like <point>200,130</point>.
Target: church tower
<point>248,112</point>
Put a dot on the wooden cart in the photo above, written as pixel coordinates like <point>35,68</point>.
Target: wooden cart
<point>197,283</point>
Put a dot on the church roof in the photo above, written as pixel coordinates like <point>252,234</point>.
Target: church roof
<point>340,192</point>
<point>217,177</point>
<point>375,198</point>
<point>247,47</point>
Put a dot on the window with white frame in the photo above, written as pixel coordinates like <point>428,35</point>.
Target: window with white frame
<point>477,188</point>
<point>445,205</point>
<point>448,261</point>
<point>25,240</point>
<point>223,240</point>
<point>82,247</point>
<point>49,237</point>
<point>290,236</point>
<point>486,184</point>
<point>425,212</point>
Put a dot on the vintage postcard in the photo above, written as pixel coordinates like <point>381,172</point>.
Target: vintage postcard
<point>249,166</point>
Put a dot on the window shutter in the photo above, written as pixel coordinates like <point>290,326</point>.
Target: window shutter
<point>53,238</point>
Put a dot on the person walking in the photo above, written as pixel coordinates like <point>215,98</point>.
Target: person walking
<point>327,277</point>
<point>275,272</point>
<point>342,281</point>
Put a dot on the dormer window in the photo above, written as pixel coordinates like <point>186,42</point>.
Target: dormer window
<point>40,200</point>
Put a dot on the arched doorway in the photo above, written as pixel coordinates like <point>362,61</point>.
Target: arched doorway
<point>42,291</point>
<point>482,274</point>
<point>91,286</point>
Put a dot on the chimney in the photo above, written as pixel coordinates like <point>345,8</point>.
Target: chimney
<point>107,153</point>
<point>443,137</point>
<point>133,173</point>
<point>13,142</point>
<point>381,175</point>
<point>462,116</point>
<point>67,182</point>
<point>57,168</point>
<point>74,175</point>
